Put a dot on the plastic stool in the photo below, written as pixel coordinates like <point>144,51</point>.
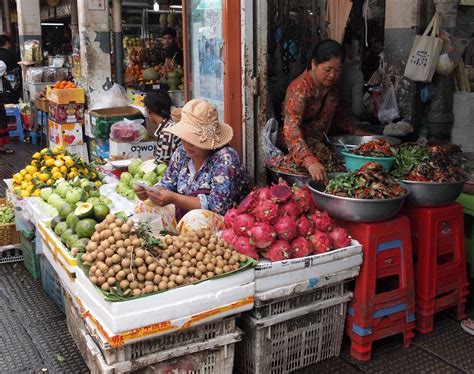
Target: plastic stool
<point>467,201</point>
<point>439,260</point>
<point>15,112</point>
<point>384,296</point>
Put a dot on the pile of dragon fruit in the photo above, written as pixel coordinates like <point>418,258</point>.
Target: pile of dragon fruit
<point>281,223</point>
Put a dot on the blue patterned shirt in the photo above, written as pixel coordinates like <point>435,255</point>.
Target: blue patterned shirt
<point>220,183</point>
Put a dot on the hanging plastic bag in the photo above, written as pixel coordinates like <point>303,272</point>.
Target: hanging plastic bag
<point>387,106</point>
<point>451,53</point>
<point>272,154</point>
<point>113,98</point>
<point>127,131</point>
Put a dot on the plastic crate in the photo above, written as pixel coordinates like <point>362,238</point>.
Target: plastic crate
<point>10,254</point>
<point>215,355</point>
<point>8,233</point>
<point>281,306</point>
<point>294,339</point>
<point>51,283</point>
<point>30,258</point>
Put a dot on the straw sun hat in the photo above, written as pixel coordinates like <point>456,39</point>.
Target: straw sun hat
<point>199,125</point>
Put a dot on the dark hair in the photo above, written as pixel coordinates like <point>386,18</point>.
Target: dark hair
<point>158,102</point>
<point>326,50</point>
<point>4,39</point>
<point>169,31</point>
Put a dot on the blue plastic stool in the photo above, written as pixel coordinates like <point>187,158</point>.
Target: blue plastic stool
<point>35,137</point>
<point>15,112</point>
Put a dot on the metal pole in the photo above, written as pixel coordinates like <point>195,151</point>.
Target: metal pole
<point>6,14</point>
<point>118,46</point>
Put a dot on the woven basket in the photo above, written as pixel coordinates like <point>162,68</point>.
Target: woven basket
<point>8,233</point>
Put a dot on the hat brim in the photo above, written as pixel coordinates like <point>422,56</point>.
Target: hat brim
<point>185,132</point>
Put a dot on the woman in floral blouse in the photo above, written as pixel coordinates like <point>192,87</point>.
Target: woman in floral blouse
<point>204,172</point>
<point>312,106</point>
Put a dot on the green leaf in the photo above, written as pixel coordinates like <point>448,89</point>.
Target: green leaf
<point>60,358</point>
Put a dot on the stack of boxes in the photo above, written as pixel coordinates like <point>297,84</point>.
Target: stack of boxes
<point>66,116</point>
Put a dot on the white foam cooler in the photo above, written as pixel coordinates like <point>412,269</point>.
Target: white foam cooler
<point>281,278</point>
<point>145,317</point>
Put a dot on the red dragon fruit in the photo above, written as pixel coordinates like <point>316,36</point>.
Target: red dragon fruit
<point>229,217</point>
<point>265,193</point>
<point>279,251</point>
<point>304,198</point>
<point>262,235</point>
<point>243,245</point>
<point>249,202</point>
<point>304,226</point>
<point>320,241</point>
<point>300,247</point>
<point>266,211</point>
<point>290,208</point>
<point>280,192</point>
<point>229,236</point>
<point>322,221</point>
<point>243,223</point>
<point>340,237</point>
<point>285,228</point>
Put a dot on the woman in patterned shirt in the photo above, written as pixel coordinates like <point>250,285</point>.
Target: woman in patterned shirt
<point>204,172</point>
<point>158,105</point>
<point>312,106</point>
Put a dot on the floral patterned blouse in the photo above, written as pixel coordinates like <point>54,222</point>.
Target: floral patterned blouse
<point>307,115</point>
<point>220,183</point>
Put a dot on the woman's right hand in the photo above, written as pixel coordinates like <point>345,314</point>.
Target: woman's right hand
<point>318,172</point>
<point>141,192</point>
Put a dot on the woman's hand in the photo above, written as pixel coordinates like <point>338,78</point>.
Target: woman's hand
<point>318,172</point>
<point>160,196</point>
<point>141,192</point>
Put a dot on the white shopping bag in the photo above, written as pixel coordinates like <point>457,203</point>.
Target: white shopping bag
<point>424,54</point>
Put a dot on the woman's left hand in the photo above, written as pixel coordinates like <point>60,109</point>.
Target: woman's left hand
<point>160,196</point>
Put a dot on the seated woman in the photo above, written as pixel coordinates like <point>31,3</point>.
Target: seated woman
<point>204,172</point>
<point>158,105</point>
<point>312,107</point>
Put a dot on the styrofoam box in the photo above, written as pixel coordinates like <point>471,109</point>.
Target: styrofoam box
<point>142,150</point>
<point>59,252</point>
<point>271,275</point>
<point>196,304</point>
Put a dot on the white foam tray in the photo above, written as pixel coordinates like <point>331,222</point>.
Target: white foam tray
<point>210,299</point>
<point>272,275</point>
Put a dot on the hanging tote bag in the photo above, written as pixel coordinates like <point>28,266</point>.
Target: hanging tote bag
<point>424,53</point>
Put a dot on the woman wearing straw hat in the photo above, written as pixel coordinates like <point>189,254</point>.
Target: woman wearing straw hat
<point>204,172</point>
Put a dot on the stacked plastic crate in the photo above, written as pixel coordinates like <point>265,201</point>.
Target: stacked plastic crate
<point>299,313</point>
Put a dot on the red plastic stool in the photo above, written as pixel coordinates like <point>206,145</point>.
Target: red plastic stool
<point>384,289</point>
<point>439,260</point>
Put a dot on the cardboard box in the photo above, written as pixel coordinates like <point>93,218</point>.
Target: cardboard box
<point>64,133</point>
<point>66,113</point>
<point>98,148</point>
<point>142,150</point>
<point>66,95</point>
<point>101,120</point>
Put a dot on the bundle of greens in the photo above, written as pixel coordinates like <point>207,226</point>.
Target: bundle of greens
<point>371,181</point>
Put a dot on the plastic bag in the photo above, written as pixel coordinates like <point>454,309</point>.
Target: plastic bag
<point>270,134</point>
<point>127,131</point>
<point>113,98</point>
<point>388,107</point>
<point>451,53</point>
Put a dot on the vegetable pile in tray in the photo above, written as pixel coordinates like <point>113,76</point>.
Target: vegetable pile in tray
<point>432,164</point>
<point>374,148</point>
<point>369,182</point>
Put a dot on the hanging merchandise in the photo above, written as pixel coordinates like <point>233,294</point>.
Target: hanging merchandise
<point>424,54</point>
<point>388,107</point>
<point>338,13</point>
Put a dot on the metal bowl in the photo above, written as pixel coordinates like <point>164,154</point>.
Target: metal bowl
<point>469,187</point>
<point>291,179</point>
<point>352,141</point>
<point>355,210</point>
<point>432,193</point>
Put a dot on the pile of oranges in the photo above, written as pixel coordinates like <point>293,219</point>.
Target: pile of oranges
<point>64,85</point>
<point>134,71</point>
